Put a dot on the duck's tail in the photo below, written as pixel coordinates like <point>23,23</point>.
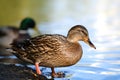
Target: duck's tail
<point>10,50</point>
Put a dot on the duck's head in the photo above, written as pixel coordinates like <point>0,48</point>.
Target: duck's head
<point>79,33</point>
<point>27,23</point>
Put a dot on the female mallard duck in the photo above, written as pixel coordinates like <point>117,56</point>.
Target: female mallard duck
<point>8,34</point>
<point>53,50</point>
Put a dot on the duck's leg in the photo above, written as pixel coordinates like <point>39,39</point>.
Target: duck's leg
<point>37,68</point>
<point>53,72</point>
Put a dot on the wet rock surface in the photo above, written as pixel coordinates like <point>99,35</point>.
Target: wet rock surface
<point>13,72</point>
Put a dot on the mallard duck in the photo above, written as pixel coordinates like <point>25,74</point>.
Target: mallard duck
<point>53,50</point>
<point>9,33</point>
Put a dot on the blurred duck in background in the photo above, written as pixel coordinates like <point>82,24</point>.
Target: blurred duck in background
<point>10,33</point>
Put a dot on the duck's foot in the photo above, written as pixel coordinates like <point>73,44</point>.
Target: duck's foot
<point>42,77</point>
<point>58,75</point>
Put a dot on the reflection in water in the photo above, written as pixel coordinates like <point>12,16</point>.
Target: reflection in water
<point>101,18</point>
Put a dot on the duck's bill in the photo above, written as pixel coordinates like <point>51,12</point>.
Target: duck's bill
<point>90,44</point>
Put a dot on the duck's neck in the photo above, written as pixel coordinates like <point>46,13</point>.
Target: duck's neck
<point>23,32</point>
<point>73,38</point>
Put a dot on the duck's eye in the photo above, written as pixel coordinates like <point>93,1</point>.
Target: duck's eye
<point>84,33</point>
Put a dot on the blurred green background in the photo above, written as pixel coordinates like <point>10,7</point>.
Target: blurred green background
<point>13,11</point>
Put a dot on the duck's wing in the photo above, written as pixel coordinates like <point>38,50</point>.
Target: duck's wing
<point>33,48</point>
<point>41,44</point>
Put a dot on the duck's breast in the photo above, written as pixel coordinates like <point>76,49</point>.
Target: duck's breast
<point>72,53</point>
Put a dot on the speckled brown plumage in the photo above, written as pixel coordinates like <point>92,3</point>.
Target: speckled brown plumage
<point>53,50</point>
<point>48,50</point>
